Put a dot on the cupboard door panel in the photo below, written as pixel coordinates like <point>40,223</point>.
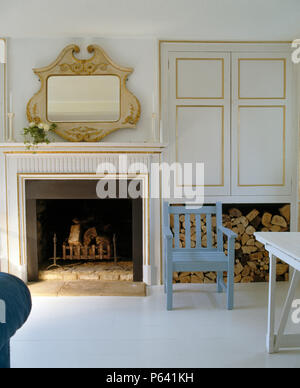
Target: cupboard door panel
<point>261,124</point>
<point>261,146</point>
<point>262,78</point>
<point>199,115</point>
<point>200,78</point>
<point>204,140</point>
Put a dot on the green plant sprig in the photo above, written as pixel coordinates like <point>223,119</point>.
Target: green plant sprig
<point>37,133</point>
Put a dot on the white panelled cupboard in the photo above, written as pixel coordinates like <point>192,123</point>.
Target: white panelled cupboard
<point>233,107</point>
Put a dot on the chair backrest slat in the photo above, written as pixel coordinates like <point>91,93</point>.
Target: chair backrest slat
<point>188,231</point>
<point>198,231</point>
<point>189,210</point>
<point>220,223</point>
<point>208,231</point>
<point>166,215</point>
<point>190,214</point>
<point>176,231</point>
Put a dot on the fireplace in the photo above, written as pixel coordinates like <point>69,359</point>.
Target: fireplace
<point>71,232</point>
<point>65,162</point>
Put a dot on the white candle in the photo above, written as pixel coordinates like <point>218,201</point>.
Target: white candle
<point>153,103</point>
<point>10,135</point>
<point>11,103</point>
<point>154,127</point>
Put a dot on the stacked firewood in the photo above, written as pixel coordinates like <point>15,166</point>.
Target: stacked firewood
<point>252,260</point>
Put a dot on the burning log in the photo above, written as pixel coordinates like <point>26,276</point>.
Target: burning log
<point>89,236</point>
<point>74,238</point>
<point>94,247</point>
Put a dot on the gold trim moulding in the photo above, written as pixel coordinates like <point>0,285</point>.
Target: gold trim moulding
<point>229,41</point>
<point>223,142</point>
<point>21,176</point>
<point>87,145</point>
<point>85,148</point>
<point>284,145</point>
<point>80,152</point>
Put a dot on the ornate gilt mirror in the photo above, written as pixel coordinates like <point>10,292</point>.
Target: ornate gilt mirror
<point>86,98</point>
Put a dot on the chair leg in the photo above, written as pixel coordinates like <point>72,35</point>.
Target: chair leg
<point>219,278</point>
<point>230,289</point>
<point>169,296</point>
<point>165,275</point>
<point>169,284</point>
<point>165,269</point>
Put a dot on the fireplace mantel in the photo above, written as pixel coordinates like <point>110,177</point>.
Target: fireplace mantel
<point>70,161</point>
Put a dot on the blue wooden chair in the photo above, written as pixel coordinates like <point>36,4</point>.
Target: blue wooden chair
<point>200,258</point>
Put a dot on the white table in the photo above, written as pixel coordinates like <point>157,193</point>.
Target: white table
<point>286,247</point>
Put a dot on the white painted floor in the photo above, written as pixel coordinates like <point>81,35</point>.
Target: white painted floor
<point>112,332</point>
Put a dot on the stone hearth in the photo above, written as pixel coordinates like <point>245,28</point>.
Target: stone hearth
<point>107,271</point>
<point>57,288</point>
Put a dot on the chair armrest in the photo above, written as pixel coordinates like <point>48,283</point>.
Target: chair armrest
<point>229,233</point>
<point>167,233</point>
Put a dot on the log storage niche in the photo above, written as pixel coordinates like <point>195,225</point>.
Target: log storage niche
<point>252,260</point>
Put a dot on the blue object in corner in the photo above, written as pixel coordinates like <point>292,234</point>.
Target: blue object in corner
<point>15,307</point>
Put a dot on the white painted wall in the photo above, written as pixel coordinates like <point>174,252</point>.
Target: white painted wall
<point>128,30</point>
<point>139,53</point>
<point>197,19</point>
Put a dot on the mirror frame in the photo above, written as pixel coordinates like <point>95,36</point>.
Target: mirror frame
<point>99,64</point>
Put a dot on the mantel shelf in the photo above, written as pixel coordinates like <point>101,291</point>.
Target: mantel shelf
<point>86,147</point>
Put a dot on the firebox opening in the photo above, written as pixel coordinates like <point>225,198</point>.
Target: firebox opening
<point>85,225</point>
<point>78,237</point>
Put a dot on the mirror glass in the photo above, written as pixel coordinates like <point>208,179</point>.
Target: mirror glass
<point>83,98</point>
